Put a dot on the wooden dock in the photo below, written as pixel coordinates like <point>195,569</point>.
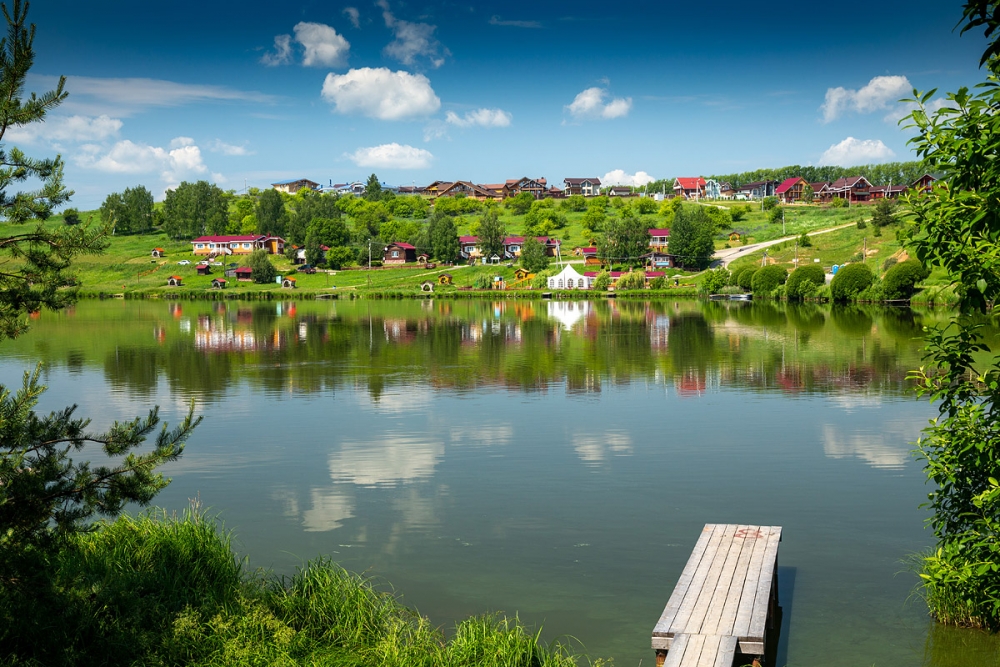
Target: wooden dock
<point>726,598</point>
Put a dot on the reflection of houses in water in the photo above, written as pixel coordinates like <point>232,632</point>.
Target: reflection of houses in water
<point>225,340</point>
<point>659,330</point>
<point>474,332</point>
<point>568,313</point>
<point>400,329</point>
<point>694,382</point>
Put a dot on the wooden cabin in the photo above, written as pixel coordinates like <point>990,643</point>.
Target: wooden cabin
<point>203,269</point>
<point>399,253</point>
<point>174,281</point>
<point>244,273</point>
<point>218,283</point>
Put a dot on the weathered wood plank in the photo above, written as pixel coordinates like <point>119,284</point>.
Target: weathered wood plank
<point>722,591</point>
<point>742,624</point>
<point>762,600</point>
<point>732,604</point>
<point>676,653</point>
<point>709,652</point>
<point>727,652</point>
<point>703,602</point>
<point>662,628</point>
<point>680,623</point>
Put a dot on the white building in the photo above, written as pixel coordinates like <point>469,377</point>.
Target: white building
<point>568,278</point>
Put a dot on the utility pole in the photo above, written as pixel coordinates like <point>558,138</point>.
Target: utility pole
<point>783,222</point>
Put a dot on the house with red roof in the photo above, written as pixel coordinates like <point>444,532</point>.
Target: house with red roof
<point>659,239</point>
<point>512,245</point>
<point>791,189</point>
<point>399,253</point>
<point>853,188</point>
<point>237,245</point>
<point>690,188</point>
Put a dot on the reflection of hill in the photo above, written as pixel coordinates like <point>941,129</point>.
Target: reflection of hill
<point>204,348</point>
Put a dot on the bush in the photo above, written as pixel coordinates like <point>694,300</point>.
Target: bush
<point>770,203</point>
<point>889,263</point>
<point>901,279</point>
<point>837,202</point>
<point>715,280</point>
<point>850,281</point>
<point>659,282</point>
<point>805,241</point>
<point>804,282</point>
<point>746,277</point>
<point>861,222</point>
<point>337,258</point>
<point>776,215</point>
<point>646,205</point>
<point>631,280</point>
<point>602,281</point>
<point>734,276</point>
<point>767,278</point>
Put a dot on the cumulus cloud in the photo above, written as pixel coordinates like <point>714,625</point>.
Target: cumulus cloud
<point>496,20</point>
<point>321,44</point>
<point>480,118</point>
<point>182,159</point>
<point>392,156</point>
<point>590,104</point>
<point>851,151</point>
<point>353,15</point>
<point>66,128</point>
<point>219,146</point>
<point>882,92</point>
<point>381,93</point>
<point>412,40</point>
<point>620,177</point>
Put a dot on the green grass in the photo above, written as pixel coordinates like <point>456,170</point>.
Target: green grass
<point>169,590</point>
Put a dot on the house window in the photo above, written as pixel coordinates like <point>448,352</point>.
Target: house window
<point>246,245</point>
<point>395,253</point>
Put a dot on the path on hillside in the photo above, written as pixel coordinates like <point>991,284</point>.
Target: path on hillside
<point>727,255</point>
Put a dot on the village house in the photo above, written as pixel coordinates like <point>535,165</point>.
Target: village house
<point>821,191</point>
<point>713,190</point>
<point>436,188</point>
<point>512,246</point>
<point>470,190</point>
<point>293,186</point>
<point>237,245</point>
<point>757,189</point>
<point>468,247</point>
<point>659,239</point>
<point>535,186</point>
<point>619,191</point>
<point>924,183</point>
<point>690,188</point>
<point>658,259</point>
<point>588,187</point>
<point>399,253</point>
<point>243,274</point>
<point>791,189</point>
<point>555,193</point>
<point>886,191</point>
<point>854,189</point>
<point>726,190</point>
<point>498,190</point>
<point>590,257</point>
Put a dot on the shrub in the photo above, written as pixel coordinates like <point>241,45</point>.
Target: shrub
<point>631,280</point>
<point>889,263</point>
<point>805,241</point>
<point>337,258</point>
<point>850,281</point>
<point>837,202</point>
<point>776,214</point>
<point>602,281</point>
<point>646,205</point>
<point>861,222</point>
<point>659,282</point>
<point>805,281</point>
<point>715,280</point>
<point>734,276</point>
<point>770,203</point>
<point>767,278</point>
<point>746,278</point>
<point>901,279</point>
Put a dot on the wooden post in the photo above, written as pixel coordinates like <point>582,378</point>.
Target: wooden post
<point>661,656</point>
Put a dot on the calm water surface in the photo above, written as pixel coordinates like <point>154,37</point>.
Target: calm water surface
<point>553,459</point>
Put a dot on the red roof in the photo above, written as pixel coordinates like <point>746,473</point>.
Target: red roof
<point>243,270</point>
<point>659,232</point>
<point>226,239</point>
<point>468,239</point>
<point>404,246</point>
<point>590,250</point>
<point>176,278</point>
<point>787,184</point>
<point>619,274</point>
<point>691,183</point>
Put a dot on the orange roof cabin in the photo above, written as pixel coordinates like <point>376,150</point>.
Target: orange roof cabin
<point>218,283</point>
<point>791,189</point>
<point>288,282</point>
<point>174,281</point>
<point>237,245</point>
<point>293,186</point>
<point>690,188</point>
<point>399,253</point>
<point>158,252</point>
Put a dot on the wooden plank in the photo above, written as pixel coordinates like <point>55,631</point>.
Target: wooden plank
<point>727,652</point>
<point>680,622</point>
<point>762,600</point>
<point>662,627</point>
<point>707,594</point>
<point>728,618</point>
<point>694,648</point>
<point>676,653</point>
<point>722,589</point>
<point>742,624</point>
<point>709,652</point>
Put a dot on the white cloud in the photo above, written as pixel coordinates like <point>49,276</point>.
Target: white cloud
<point>412,40</point>
<point>219,146</point>
<point>386,461</point>
<point>381,93</point>
<point>353,15</point>
<point>323,46</point>
<point>481,118</point>
<point>851,151</point>
<point>590,104</point>
<point>125,157</point>
<point>435,129</point>
<point>392,156</point>
<point>496,20</point>
<point>282,54</point>
<point>66,128</point>
<point>329,510</point>
<point>619,177</point>
<point>593,449</point>
<point>882,92</point>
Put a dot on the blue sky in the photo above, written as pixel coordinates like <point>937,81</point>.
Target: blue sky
<point>418,91</point>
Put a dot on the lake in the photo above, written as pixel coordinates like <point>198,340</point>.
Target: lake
<point>552,459</point>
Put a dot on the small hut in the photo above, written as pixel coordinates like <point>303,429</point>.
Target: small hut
<point>520,273</point>
<point>243,273</point>
<point>159,252</point>
<point>218,283</point>
<point>444,279</point>
<point>203,269</point>
<point>427,286</point>
<point>289,283</point>
<point>174,281</point>
<point>423,258</point>
<point>734,236</point>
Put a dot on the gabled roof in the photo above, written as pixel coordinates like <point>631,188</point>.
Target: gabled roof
<point>478,189</point>
<point>404,246</point>
<point>468,239</point>
<point>243,269</point>
<point>295,180</point>
<point>228,239</point>
<point>589,250</point>
<point>819,185</point>
<point>689,183</point>
<point>848,182</point>
<point>659,232</point>
<point>787,184</point>
<point>581,181</point>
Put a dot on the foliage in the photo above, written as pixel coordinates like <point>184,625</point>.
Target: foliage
<point>805,281</point>
<point>895,172</point>
<point>769,203</point>
<point>195,209</point>
<point>767,278</point>
<point>646,205</point>
<point>808,194</point>
<point>624,240</point>
<point>261,269</point>
<point>443,236</point>
<point>409,206</point>
<point>669,209</point>
<point>883,214</point>
<point>734,276</point>
<point>368,218</point>
<point>308,205</point>
<point>691,237</point>
<point>737,213</point>
<point>542,219</point>
<point>632,280</point>
<point>271,214</point>
<point>720,217</point>
<point>330,232</point>
<point>745,279</point>
<point>838,202</point>
<point>406,231</point>
<point>492,233</point>
<point>805,241</point>
<point>458,205</point>
<point>575,203</point>
<point>659,282</point>
<point>602,281</point>
<point>241,208</point>
<point>373,189</point>
<point>520,204</point>
<point>594,219</point>
<point>715,280</point>
<point>340,256</point>
<point>776,214</point>
<point>129,212</point>
<point>313,251</point>
<point>533,257</point>
<point>851,280</point>
<point>861,224</point>
<point>71,216</point>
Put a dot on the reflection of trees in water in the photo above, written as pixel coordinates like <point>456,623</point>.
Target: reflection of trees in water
<point>851,319</point>
<point>135,368</point>
<point>691,342</point>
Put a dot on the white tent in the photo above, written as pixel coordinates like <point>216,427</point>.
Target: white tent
<point>568,278</point>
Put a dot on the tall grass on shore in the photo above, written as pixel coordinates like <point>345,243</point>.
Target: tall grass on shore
<point>161,589</point>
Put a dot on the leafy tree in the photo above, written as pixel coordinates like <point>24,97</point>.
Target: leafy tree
<point>239,210</point>
<point>195,209</point>
<point>737,213</point>
<point>71,216</point>
<point>850,281</point>
<point>313,251</point>
<point>271,214</point>
<point>715,280</point>
<point>632,280</point>
<point>409,207</point>
<point>129,212</point>
<point>407,231</point>
<point>692,238</point>
<point>602,281</point>
<point>261,269</point>
<point>337,258</point>
<point>373,189</point>
<point>805,241</point>
<point>329,231</point>
<point>900,280</point>
<point>625,239</point>
<point>492,233</point>
<point>443,237</point>
<point>368,218</point>
<point>594,219</point>
<point>838,202</point>
<point>646,205</point>
<point>776,215</point>
<point>520,204</point>
<point>768,278</point>
<point>307,206</point>
<point>576,203</point>
<point>808,194</point>
<point>804,281</point>
<point>533,257</point>
<point>669,209</point>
